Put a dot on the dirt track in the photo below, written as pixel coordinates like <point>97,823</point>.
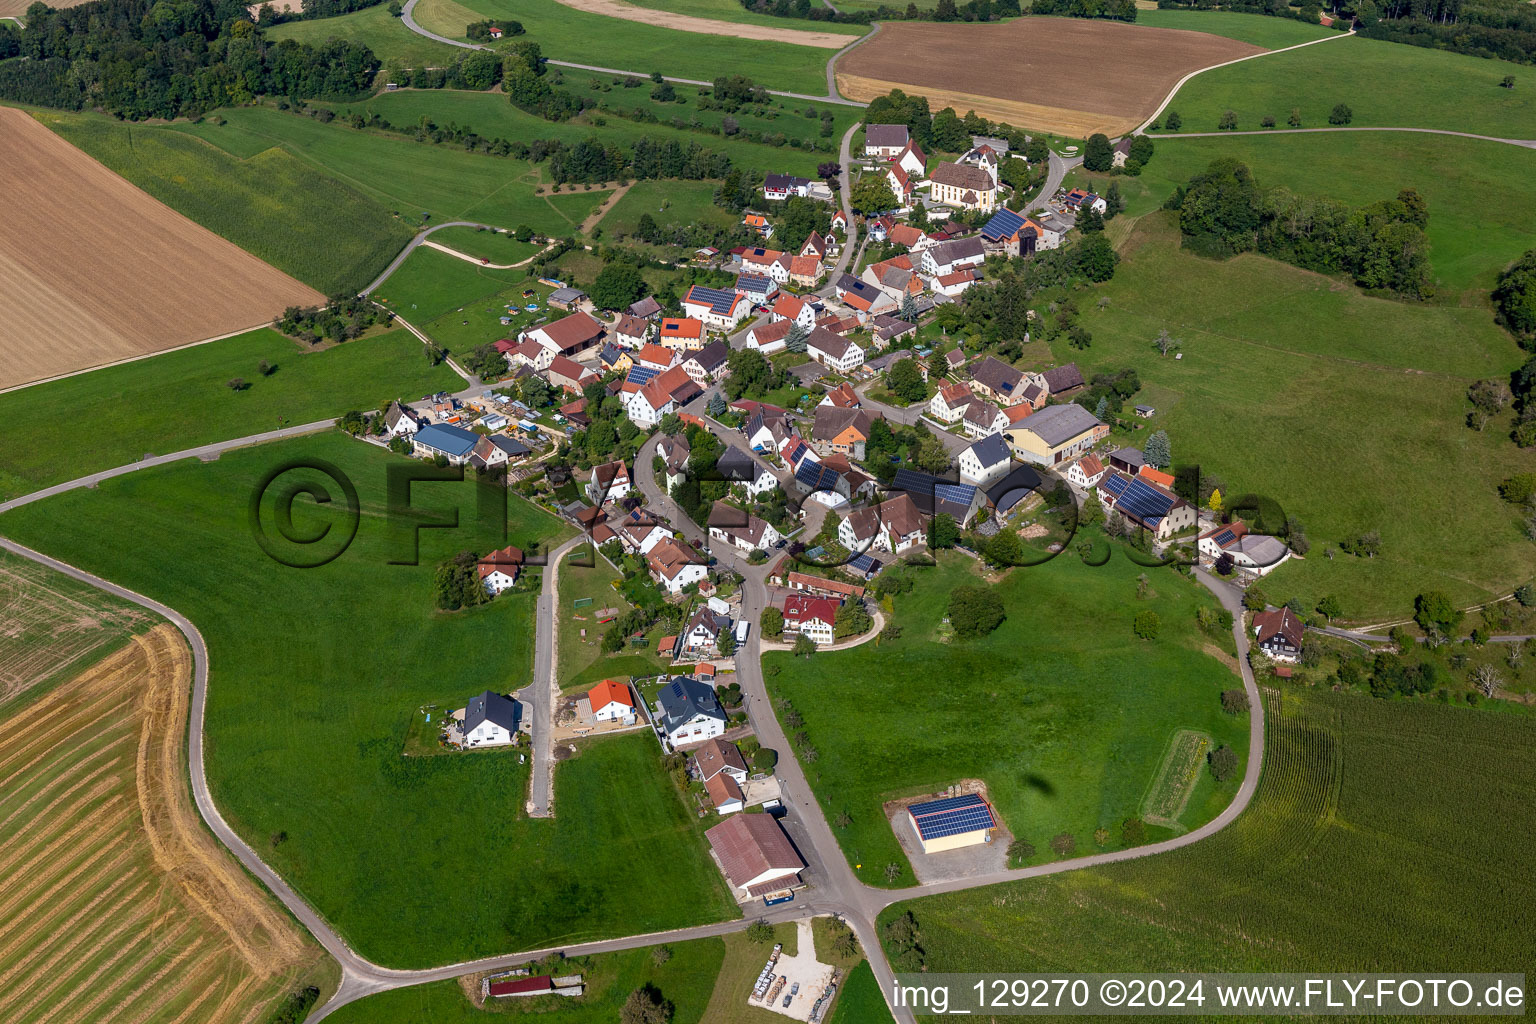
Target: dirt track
<point>709,26</point>
<point>119,906</point>
<point>93,270</point>
<point>1064,75</point>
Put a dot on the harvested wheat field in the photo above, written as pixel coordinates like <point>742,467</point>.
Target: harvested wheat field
<point>117,905</point>
<point>51,625</point>
<point>1062,75</point>
<point>92,270</point>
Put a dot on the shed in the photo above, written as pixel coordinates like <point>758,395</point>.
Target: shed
<point>953,822</point>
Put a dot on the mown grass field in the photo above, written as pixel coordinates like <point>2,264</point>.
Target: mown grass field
<point>490,115</point>
<point>487,245</point>
<point>315,677</point>
<point>676,203</point>
<point>1348,410</point>
<point>1062,711</point>
<point>578,655</point>
<point>273,203</point>
<point>375,28</point>
<point>55,627</point>
<point>1258,29</point>
<point>1383,83</point>
<point>1385,836</point>
<point>859,999</point>
<point>119,904</point>
<point>182,399</point>
<point>568,34</point>
<point>459,304</point>
<point>684,980</point>
<point>411,178</point>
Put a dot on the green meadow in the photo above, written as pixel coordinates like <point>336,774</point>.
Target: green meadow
<point>410,178</point>
<point>277,204</point>
<point>1258,29</point>
<point>1384,84</point>
<point>685,980</point>
<point>731,10</point>
<point>316,675</point>
<point>676,203</point>
<point>859,999</point>
<point>486,245</point>
<point>1347,409</point>
<point>1062,711</point>
<point>568,34</point>
<point>181,399</point>
<point>375,28</point>
<point>1385,836</point>
<point>459,304</point>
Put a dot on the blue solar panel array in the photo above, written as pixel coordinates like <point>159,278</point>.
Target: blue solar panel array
<point>952,816</point>
<point>863,564</point>
<point>960,494</point>
<point>720,300</point>
<point>816,477</point>
<point>1225,537</point>
<point>1138,498</point>
<point>1003,224</point>
<point>640,375</point>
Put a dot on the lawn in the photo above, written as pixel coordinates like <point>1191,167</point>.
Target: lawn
<point>1258,29</point>
<point>375,28</point>
<point>568,34</point>
<point>271,202</point>
<point>670,203</point>
<point>1062,711</point>
<point>1429,89</point>
<point>486,245</point>
<point>684,980</point>
<point>181,399</point>
<point>490,115</point>
<point>411,178</point>
<point>1360,852</point>
<point>578,582</point>
<point>459,304</point>
<point>1346,409</point>
<point>1471,238</point>
<point>859,999</point>
<point>315,676</point>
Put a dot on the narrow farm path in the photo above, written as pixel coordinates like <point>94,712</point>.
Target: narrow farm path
<point>477,261</point>
<point>544,689</point>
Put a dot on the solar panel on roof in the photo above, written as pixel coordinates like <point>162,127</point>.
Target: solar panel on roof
<point>1143,501</point>
<point>863,563</point>
<point>640,375</point>
<point>946,804</point>
<point>1002,224</point>
<point>952,816</point>
<point>960,494</point>
<point>1225,537</point>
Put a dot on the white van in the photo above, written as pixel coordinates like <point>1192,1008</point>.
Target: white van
<point>742,628</point>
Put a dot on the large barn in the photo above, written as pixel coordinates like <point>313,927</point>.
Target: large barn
<point>953,822</point>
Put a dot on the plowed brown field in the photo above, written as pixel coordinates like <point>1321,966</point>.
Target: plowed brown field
<point>1063,75</point>
<point>118,906</point>
<point>92,270</point>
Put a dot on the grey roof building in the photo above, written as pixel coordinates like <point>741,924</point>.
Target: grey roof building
<point>685,699</point>
<point>1056,424</point>
<point>493,708</point>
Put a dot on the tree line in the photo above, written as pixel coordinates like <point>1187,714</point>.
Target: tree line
<point>1502,29</point>
<point>139,59</point>
<point>944,10</point>
<point>1224,211</point>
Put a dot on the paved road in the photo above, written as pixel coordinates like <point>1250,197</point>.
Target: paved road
<point>421,236</point>
<point>408,16</point>
<point>540,693</point>
<point>832,92</point>
<point>845,191</point>
<point>207,453</point>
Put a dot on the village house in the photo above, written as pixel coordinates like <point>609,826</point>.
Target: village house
<point>755,855</point>
<point>864,298</point>
<point>1086,472</point>
<point>674,566</point>
<point>981,418</point>
<point>569,336</point>
<point>743,470</point>
<point>779,187</point>
<point>708,364</point>
<point>566,298</point>
<point>771,338</point>
<point>895,277</point>
<point>680,334</point>
<point>610,702</point>
<point>963,187</point>
<point>689,712</point>
<point>1256,553</point>
<point>656,358</point>
<point>1055,434</point>
<point>839,220</point>
<point>497,450</point>
<point>401,421</point>
<point>702,630</point>
<point>767,427</point>
<point>718,757</point>
<point>985,460</point>
<point>1080,199</point>
<point>614,358</point>
<point>804,271</point>
<point>894,525</point>
<point>719,309</point>
<point>490,720</point>
<point>499,570</point>
<point>740,529</point>
<point>949,402</point>
<point>901,183</point>
<point>843,396</point>
<point>666,392</point>
<point>996,380</point>
<point>792,308</point>
<point>638,537</point>
<point>952,286</point>
<point>839,430</point>
<point>1278,634</point>
<point>1145,504</point>
<point>568,375</point>
<point>755,288</point>
<point>889,329</point>
<point>948,257</point>
<point>885,141</point>
<point>647,308</point>
<point>529,353</point>
<point>632,331</point>
<point>812,617</point>
<point>912,159</point>
<point>833,351</point>
<point>984,157</point>
<point>816,245</point>
<point>725,794</point>
<point>610,482</point>
<point>758,223</point>
<point>453,443</point>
